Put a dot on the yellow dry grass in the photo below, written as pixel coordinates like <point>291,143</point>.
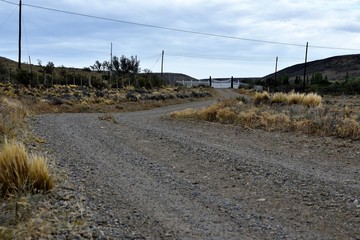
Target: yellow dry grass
<point>226,115</point>
<point>186,113</point>
<point>295,98</point>
<point>261,97</point>
<point>12,116</point>
<point>312,99</point>
<point>348,128</point>
<point>282,112</point>
<point>21,173</point>
<point>279,98</point>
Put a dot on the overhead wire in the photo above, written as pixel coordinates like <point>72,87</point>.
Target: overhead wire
<point>228,58</point>
<point>181,30</point>
<point>26,38</point>
<point>7,18</point>
<point>155,63</point>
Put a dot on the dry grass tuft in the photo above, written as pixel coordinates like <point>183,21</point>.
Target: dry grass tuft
<point>20,173</point>
<point>279,98</point>
<point>349,128</point>
<point>226,115</point>
<point>295,98</point>
<point>14,168</point>
<point>39,176</point>
<point>312,99</point>
<point>209,113</point>
<point>261,97</point>
<point>186,113</point>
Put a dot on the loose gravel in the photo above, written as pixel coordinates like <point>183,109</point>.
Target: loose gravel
<point>145,176</point>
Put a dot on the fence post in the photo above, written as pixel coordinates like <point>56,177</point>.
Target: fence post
<point>90,81</point>
<point>232,82</point>
<point>210,84</point>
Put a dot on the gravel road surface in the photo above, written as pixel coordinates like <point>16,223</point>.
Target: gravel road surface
<point>148,177</point>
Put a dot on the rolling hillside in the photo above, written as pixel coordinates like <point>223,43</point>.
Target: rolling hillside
<point>335,68</point>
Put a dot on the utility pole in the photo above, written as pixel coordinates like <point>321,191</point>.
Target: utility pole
<point>111,64</point>
<point>306,54</point>
<point>276,65</point>
<point>19,60</point>
<point>162,64</point>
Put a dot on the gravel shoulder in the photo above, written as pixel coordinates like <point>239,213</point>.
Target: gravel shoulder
<point>148,177</point>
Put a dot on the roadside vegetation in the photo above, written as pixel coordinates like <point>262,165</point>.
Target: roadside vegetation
<point>22,174</point>
<point>292,112</point>
<point>36,197</point>
<point>316,82</point>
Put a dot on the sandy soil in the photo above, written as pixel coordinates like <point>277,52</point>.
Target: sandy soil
<point>148,177</point>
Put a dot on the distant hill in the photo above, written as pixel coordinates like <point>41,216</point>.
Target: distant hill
<point>335,68</point>
<point>173,77</point>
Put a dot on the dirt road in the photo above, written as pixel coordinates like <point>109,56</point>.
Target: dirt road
<point>148,177</point>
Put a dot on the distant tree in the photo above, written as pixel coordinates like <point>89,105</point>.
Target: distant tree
<point>147,71</point>
<point>97,67</point>
<point>116,65</point>
<point>134,65</point>
<point>126,65</point>
<point>106,66</point>
<point>49,68</point>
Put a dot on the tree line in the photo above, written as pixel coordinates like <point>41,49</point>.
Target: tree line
<point>118,73</point>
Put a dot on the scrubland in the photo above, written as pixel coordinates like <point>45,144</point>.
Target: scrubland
<point>292,112</point>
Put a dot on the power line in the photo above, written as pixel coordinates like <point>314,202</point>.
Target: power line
<point>155,63</point>
<point>7,18</point>
<point>9,2</point>
<point>181,30</point>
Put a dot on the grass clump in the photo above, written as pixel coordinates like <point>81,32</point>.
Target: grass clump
<point>279,98</point>
<point>261,97</point>
<point>226,115</point>
<point>312,99</point>
<point>186,113</point>
<point>21,173</point>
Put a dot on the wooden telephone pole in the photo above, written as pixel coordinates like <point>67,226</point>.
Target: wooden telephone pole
<point>19,60</point>
<point>276,66</point>
<point>306,55</point>
<point>162,64</point>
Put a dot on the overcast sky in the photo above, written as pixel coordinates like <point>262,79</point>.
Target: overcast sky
<point>78,41</point>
